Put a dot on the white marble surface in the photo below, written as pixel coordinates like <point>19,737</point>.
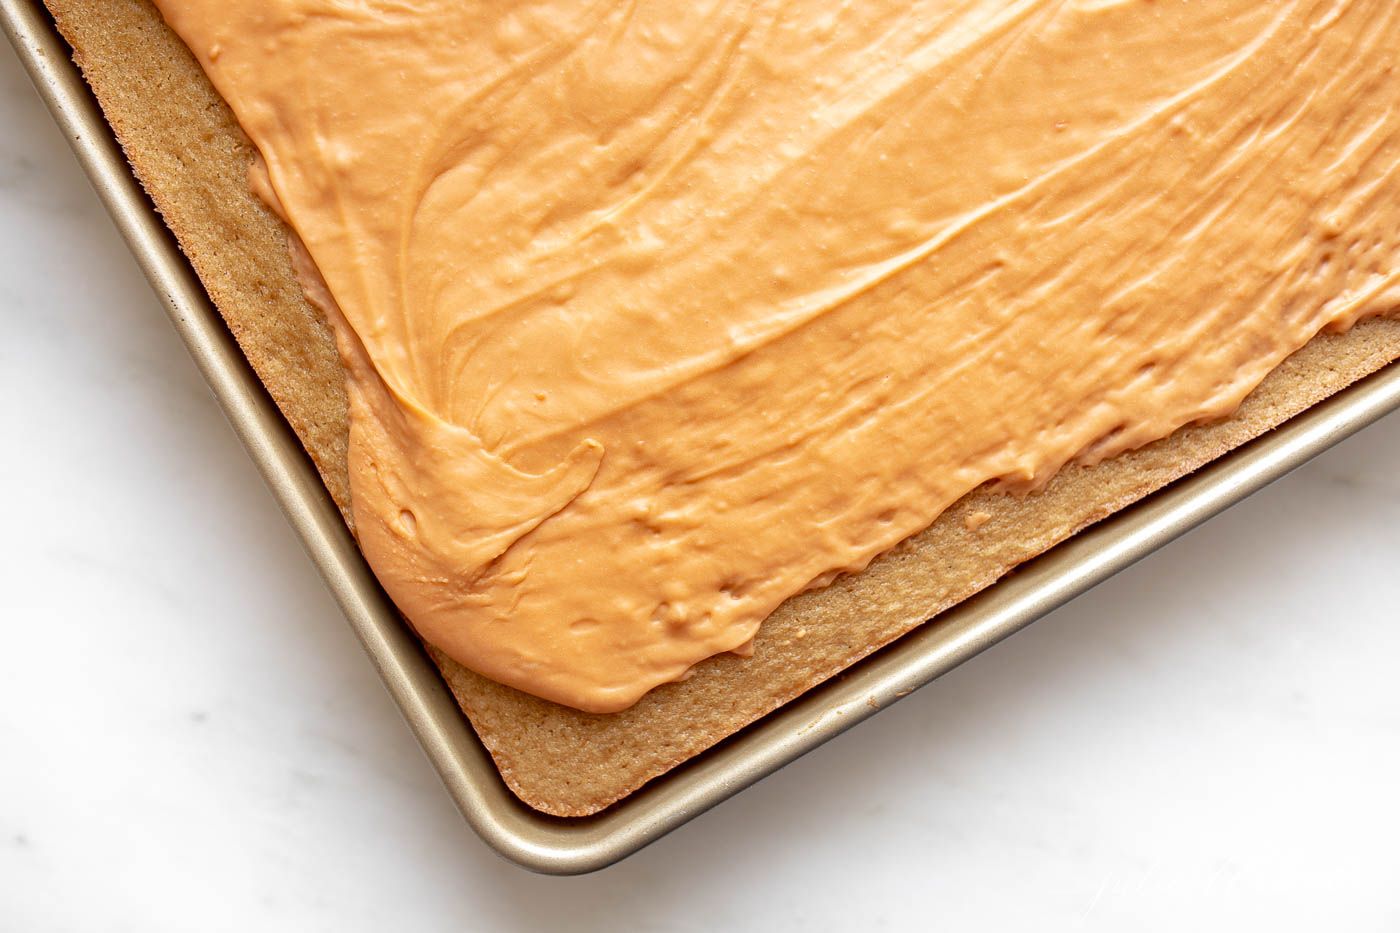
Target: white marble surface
<point>191,739</point>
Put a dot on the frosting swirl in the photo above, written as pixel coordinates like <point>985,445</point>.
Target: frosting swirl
<point>655,314</point>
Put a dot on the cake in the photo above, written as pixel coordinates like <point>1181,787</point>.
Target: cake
<point>193,159</point>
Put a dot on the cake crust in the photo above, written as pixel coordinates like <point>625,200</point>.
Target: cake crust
<point>192,159</point>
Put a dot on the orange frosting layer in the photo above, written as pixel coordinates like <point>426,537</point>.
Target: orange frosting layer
<point>655,314</point>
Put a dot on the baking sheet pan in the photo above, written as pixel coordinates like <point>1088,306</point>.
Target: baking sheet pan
<point>560,846</point>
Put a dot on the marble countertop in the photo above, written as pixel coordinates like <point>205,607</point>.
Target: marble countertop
<point>190,737</point>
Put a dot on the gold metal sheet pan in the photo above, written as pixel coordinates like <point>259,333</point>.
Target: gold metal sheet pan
<point>558,846</point>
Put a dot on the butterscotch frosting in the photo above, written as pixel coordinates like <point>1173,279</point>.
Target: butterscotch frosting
<point>655,314</point>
